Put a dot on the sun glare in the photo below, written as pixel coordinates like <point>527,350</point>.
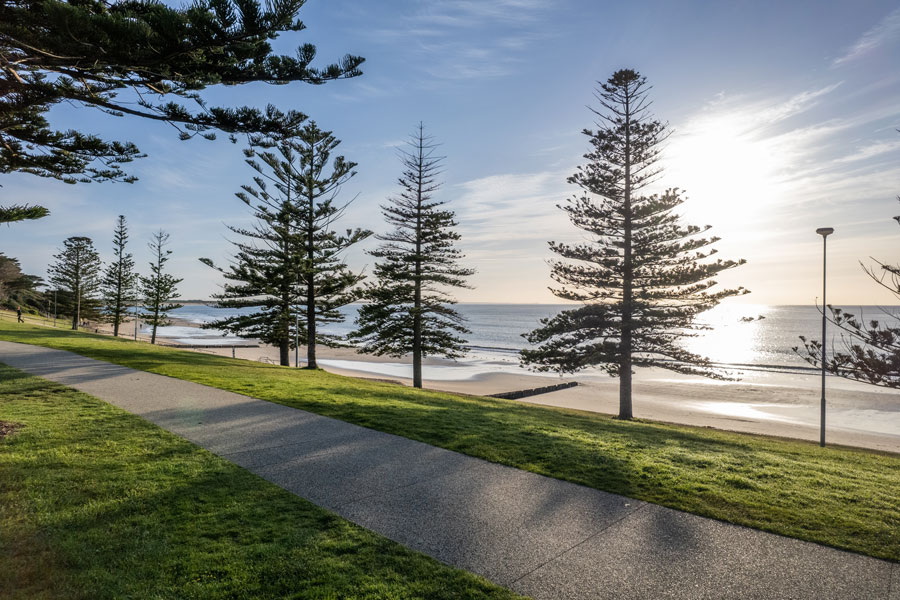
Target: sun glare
<point>729,177</point>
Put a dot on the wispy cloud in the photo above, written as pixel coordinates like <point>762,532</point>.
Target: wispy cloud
<point>797,104</point>
<point>869,151</point>
<point>468,39</point>
<point>506,221</point>
<point>465,13</point>
<point>885,31</point>
<point>751,113</point>
<point>499,209</point>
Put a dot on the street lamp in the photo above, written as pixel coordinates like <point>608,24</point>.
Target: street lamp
<point>824,232</point>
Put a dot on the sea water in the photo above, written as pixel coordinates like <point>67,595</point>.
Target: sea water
<point>740,335</point>
<point>753,344</point>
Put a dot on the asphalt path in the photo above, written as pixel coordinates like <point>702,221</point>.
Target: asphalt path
<point>539,536</point>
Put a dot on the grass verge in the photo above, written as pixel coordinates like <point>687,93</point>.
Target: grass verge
<point>841,497</point>
<point>98,503</point>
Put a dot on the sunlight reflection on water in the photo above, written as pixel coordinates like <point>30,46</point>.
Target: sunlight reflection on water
<point>731,340</point>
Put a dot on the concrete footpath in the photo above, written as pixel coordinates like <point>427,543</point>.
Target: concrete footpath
<point>538,536</point>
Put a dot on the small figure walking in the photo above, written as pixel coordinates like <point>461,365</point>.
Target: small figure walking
<point>19,314</point>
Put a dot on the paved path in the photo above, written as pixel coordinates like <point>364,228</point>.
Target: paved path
<point>538,536</point>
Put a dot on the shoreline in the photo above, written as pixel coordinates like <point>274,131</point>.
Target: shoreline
<point>763,402</point>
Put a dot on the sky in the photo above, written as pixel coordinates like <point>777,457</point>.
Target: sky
<point>784,118</point>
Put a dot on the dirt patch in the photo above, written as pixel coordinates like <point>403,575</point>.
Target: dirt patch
<point>8,428</point>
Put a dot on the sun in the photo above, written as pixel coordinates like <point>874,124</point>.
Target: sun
<point>728,174</point>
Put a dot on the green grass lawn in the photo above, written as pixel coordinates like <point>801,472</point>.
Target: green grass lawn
<point>98,503</point>
<point>842,497</point>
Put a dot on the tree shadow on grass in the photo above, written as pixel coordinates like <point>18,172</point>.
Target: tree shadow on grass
<point>707,472</point>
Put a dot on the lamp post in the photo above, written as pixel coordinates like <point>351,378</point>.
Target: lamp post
<point>824,232</point>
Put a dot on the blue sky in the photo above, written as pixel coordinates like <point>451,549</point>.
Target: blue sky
<point>784,118</point>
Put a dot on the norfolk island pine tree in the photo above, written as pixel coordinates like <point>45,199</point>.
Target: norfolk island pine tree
<point>408,310</point>
<point>76,273</point>
<point>641,276</point>
<point>159,288</point>
<point>292,263</point>
<point>138,60</point>
<point>119,279</point>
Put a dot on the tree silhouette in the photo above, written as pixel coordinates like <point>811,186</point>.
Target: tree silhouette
<point>138,59</point>
<point>641,277</point>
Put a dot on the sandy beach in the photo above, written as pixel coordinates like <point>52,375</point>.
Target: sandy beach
<point>777,404</point>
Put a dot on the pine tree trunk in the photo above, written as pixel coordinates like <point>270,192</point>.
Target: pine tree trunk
<point>417,300</point>
<point>417,334</point>
<point>627,281</point>
<point>117,317</point>
<point>310,276</point>
<point>284,346</point>
<point>75,317</point>
<point>310,328</point>
<point>284,352</point>
<point>155,322</point>
<point>117,314</point>
<point>625,380</point>
<point>311,308</point>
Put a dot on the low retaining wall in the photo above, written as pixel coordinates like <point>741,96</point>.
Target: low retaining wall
<point>535,391</point>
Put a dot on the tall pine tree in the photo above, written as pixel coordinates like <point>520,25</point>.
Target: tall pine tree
<point>119,279</point>
<point>326,282</point>
<point>293,263</point>
<point>264,272</point>
<point>641,276</point>
<point>409,308</point>
<point>159,288</point>
<point>76,274</point>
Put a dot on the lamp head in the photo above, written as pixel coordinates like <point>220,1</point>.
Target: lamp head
<point>825,231</point>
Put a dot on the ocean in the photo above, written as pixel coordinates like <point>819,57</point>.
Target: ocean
<point>733,341</point>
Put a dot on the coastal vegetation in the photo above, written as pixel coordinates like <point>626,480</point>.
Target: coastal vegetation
<point>138,60</point>
<point>640,276</point>
<point>119,279</point>
<point>18,289</point>
<point>408,308</point>
<point>76,275</point>
<point>842,497</point>
<point>158,289</point>
<point>292,263</point>
<point>97,503</point>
